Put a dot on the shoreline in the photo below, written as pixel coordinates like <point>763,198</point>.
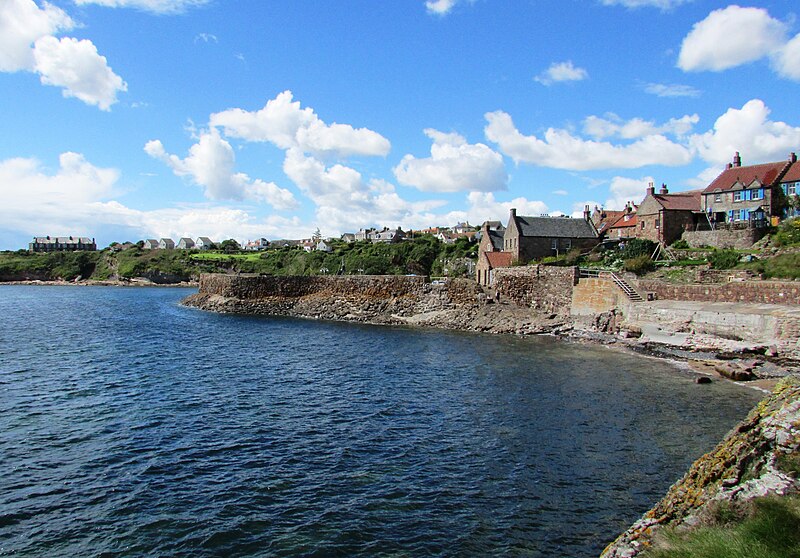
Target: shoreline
<point>102,283</point>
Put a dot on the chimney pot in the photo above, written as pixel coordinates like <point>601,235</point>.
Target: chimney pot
<point>793,157</point>
<point>663,191</point>
<point>513,211</point>
<point>651,190</point>
<point>737,160</point>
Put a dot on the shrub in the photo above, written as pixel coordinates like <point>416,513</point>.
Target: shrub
<point>680,244</point>
<point>638,247</point>
<point>723,259</point>
<point>789,233</point>
<point>638,265</point>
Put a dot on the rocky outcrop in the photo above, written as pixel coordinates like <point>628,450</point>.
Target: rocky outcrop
<point>745,465</point>
<point>389,300</point>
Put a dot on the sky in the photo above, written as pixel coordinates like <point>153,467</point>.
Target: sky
<point>130,119</point>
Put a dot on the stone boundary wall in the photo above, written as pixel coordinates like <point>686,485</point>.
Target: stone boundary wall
<point>544,288</point>
<point>753,292</point>
<point>738,239</point>
<point>255,287</point>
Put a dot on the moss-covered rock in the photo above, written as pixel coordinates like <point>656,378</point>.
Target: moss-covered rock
<point>750,462</point>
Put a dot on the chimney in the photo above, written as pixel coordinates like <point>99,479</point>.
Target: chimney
<point>513,213</point>
<point>663,191</point>
<point>587,215</point>
<point>651,190</point>
<point>737,160</point>
<point>729,166</point>
<point>792,157</point>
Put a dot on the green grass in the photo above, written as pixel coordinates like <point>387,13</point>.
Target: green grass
<point>784,266</point>
<point>763,528</point>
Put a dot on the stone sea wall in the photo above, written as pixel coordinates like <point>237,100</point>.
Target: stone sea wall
<point>546,289</point>
<point>755,292</point>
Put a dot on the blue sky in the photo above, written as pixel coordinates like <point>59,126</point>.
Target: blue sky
<point>131,119</point>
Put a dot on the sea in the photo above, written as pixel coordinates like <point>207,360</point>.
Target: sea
<point>133,426</point>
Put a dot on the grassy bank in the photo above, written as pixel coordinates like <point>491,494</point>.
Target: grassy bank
<point>421,256</point>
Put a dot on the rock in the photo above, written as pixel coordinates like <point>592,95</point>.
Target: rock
<point>702,380</point>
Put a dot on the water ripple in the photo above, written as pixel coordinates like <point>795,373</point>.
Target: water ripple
<point>130,426</point>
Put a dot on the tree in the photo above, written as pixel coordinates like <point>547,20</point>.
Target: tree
<point>229,245</point>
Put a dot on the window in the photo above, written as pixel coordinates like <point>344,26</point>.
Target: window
<point>642,225</point>
<point>758,194</point>
<point>737,196</point>
<point>791,188</point>
<point>554,244</point>
<point>658,222</point>
<point>567,244</point>
<point>717,197</point>
<point>736,215</point>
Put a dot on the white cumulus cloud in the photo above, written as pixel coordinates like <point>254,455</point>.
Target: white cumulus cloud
<point>560,72</point>
<point>22,22</point>
<point>562,150</point>
<point>210,164</point>
<point>440,7</point>
<point>28,43</point>
<point>730,37</point>
<point>749,131</point>
<point>786,60</point>
<point>285,124</point>
<point>154,6</point>
<point>612,125</point>
<point>454,166</point>
<point>623,190</point>
<point>78,69</point>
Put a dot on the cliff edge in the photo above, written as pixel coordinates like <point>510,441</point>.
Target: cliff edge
<point>747,464</point>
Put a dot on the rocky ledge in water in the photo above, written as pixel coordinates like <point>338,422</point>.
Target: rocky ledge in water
<point>747,464</point>
<point>427,309</point>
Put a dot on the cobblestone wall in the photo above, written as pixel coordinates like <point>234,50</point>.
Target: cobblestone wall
<point>758,292</point>
<point>544,288</point>
<point>738,239</point>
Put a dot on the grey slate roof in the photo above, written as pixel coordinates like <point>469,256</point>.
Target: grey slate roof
<point>496,237</point>
<point>555,227</point>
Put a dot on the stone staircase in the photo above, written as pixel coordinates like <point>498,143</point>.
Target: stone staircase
<point>629,291</point>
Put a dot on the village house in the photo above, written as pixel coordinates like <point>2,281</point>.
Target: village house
<point>364,234</point>
<point>348,237</point>
<point>615,225</point>
<point>790,185</point>
<point>662,217</point>
<point>461,228</point>
<point>531,238</point>
<point>748,195</point>
<point>166,244</point>
<point>388,235</point>
<point>490,249</point>
<point>323,246</point>
<point>185,243</point>
<point>256,245</point>
<point>150,244</point>
<point>203,243</point>
<point>62,244</point>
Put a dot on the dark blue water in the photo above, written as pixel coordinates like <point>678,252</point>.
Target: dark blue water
<point>131,426</point>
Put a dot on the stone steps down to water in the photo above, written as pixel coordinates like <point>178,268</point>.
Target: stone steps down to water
<point>745,465</point>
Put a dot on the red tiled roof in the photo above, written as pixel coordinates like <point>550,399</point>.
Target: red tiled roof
<point>499,259</point>
<point>622,223</point>
<point>610,218</point>
<point>765,173</point>
<point>793,175</point>
<point>681,201</point>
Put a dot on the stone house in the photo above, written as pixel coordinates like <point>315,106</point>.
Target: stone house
<point>62,244</point>
<point>748,195</point>
<point>166,244</point>
<point>364,234</point>
<point>530,238</point>
<point>150,244</point>
<point>349,237</point>
<point>662,217</point>
<point>203,243</point>
<point>491,244</point>
<point>488,262</point>
<point>185,243</point>
<point>388,235</point>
